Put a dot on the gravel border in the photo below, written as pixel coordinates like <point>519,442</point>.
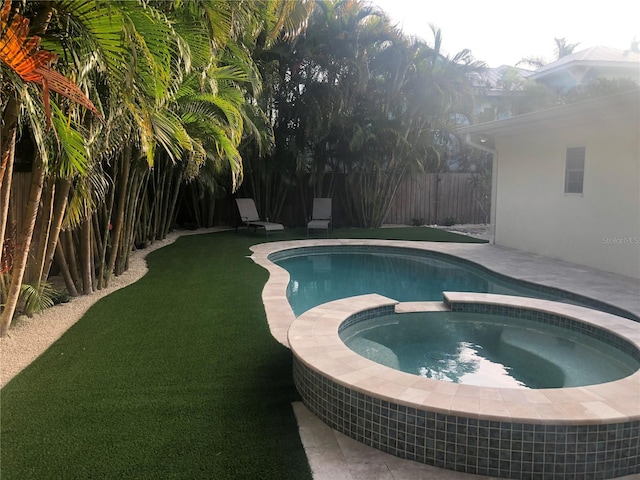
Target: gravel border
<point>28,337</point>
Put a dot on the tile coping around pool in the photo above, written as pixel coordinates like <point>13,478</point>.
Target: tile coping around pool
<point>315,341</point>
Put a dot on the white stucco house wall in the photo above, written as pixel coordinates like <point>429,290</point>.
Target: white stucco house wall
<point>566,182</point>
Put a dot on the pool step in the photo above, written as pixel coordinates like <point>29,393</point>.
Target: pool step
<point>408,307</point>
<point>565,356</point>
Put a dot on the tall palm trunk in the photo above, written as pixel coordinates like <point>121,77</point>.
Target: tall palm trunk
<point>86,257</point>
<point>64,269</point>
<point>70,259</point>
<point>62,189</point>
<point>6,175</point>
<point>41,233</point>
<point>118,223</point>
<point>19,267</point>
<point>171,189</point>
<point>8,132</point>
<point>105,218</point>
<point>139,184</point>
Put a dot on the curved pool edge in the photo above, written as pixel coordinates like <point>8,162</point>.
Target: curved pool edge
<point>502,431</point>
<point>315,341</point>
<point>608,288</point>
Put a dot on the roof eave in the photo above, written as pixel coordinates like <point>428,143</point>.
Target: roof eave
<point>579,108</point>
<point>631,66</point>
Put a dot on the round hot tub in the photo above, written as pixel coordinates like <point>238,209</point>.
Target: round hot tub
<point>488,350</point>
<point>586,431</point>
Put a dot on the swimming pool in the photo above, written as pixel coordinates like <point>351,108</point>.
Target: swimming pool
<point>322,274</point>
<point>581,432</point>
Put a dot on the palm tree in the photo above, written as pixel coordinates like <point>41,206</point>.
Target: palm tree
<point>215,112</point>
<point>562,49</point>
<point>25,64</point>
<point>178,122</point>
<point>94,35</point>
<point>310,86</point>
<point>173,80</point>
<point>405,124</point>
<point>352,96</point>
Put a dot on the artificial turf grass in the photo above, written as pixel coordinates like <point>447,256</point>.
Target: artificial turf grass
<point>175,376</point>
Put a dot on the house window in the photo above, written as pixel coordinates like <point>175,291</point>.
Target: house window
<point>574,170</point>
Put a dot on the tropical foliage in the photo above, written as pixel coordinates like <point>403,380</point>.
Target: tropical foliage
<point>354,106</point>
<point>173,82</point>
<point>562,49</point>
<point>125,113</point>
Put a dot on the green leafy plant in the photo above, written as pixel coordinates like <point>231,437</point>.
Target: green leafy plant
<point>36,298</point>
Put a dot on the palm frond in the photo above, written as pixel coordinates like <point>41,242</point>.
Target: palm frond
<point>170,133</point>
<point>37,298</point>
<point>153,37</point>
<point>289,18</point>
<point>74,155</point>
<point>100,27</point>
<point>22,54</point>
<point>214,105</point>
<point>34,116</point>
<point>228,152</point>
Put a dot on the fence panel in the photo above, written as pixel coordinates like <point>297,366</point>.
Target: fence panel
<point>20,186</point>
<point>433,198</point>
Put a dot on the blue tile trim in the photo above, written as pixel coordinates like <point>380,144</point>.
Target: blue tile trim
<point>470,445</point>
<point>366,315</point>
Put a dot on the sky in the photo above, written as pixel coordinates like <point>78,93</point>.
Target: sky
<point>502,32</point>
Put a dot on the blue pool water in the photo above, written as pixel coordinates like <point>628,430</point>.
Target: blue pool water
<point>327,275</point>
<point>487,350</point>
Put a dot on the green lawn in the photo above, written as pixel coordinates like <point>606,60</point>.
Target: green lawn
<point>175,376</point>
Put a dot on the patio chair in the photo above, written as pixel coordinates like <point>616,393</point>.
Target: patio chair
<point>250,218</point>
<point>320,216</point>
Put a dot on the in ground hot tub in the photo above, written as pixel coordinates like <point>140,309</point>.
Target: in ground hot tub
<point>590,431</point>
<point>488,350</point>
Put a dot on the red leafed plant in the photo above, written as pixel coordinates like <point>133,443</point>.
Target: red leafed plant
<point>23,55</point>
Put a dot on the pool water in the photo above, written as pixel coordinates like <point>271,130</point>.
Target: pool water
<point>487,350</point>
<point>317,278</point>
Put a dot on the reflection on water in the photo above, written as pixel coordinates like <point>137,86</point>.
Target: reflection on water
<point>487,350</point>
<point>467,365</point>
<point>320,278</point>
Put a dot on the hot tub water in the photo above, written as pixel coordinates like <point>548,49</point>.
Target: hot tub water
<point>487,350</point>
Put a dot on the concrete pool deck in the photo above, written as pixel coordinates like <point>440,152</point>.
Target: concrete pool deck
<point>334,456</point>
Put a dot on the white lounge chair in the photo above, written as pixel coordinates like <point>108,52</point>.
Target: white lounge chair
<point>320,216</point>
<point>250,218</point>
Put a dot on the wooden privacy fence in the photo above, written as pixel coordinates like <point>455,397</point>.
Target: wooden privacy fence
<point>443,198</point>
<point>20,186</point>
<point>421,199</point>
